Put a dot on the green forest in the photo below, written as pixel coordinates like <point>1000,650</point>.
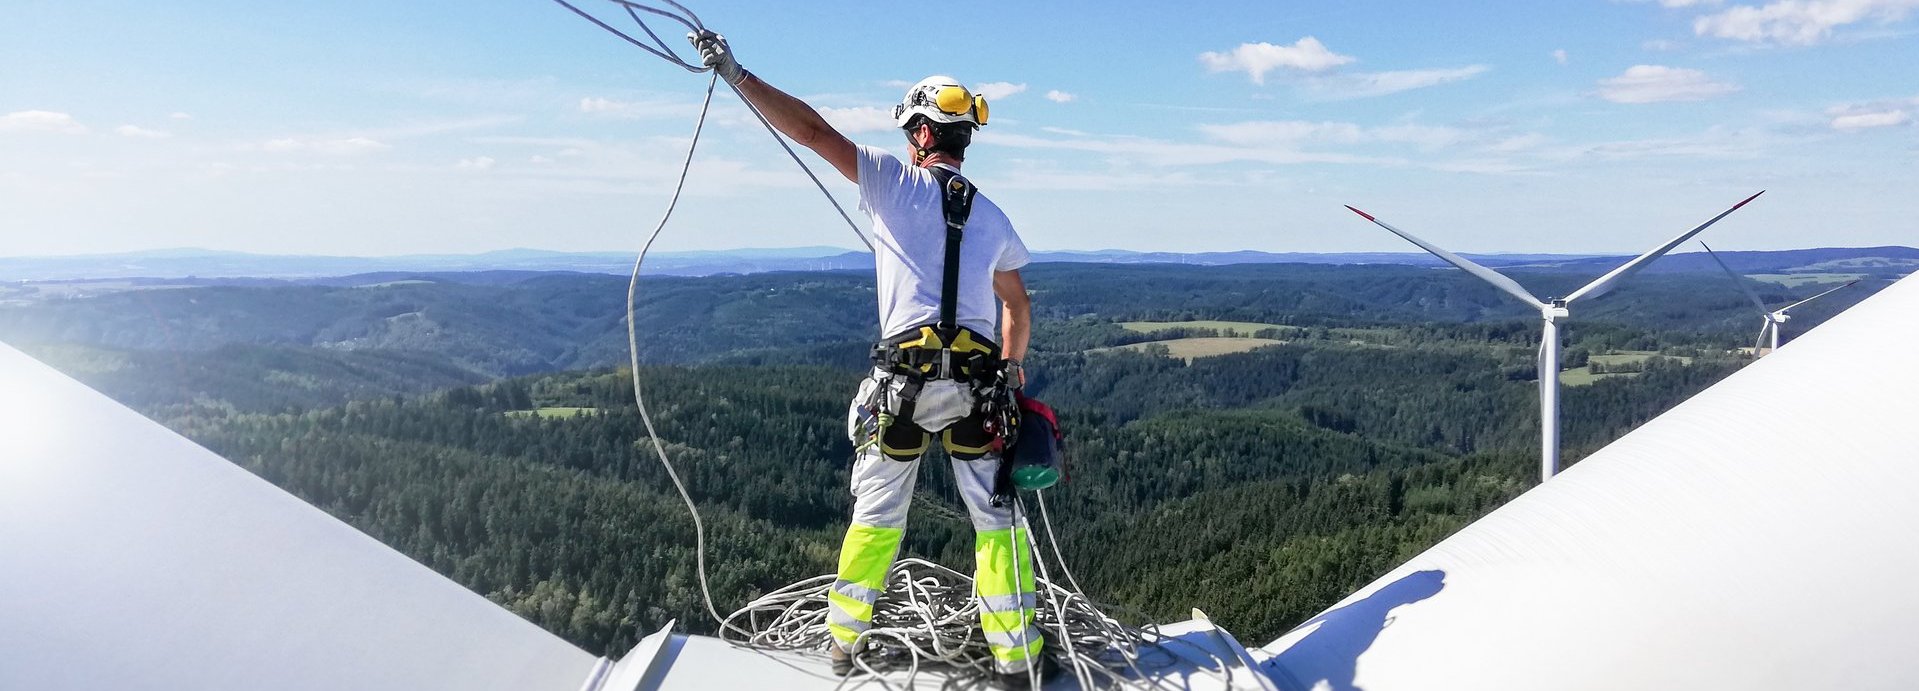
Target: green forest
<point>486,430</point>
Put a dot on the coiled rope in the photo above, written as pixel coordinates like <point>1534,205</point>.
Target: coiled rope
<point>929,615</point>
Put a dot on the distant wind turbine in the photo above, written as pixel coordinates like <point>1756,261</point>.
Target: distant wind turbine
<point>1550,311</point>
<point>1774,318</point>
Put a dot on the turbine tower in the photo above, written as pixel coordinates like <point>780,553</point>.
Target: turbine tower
<point>1550,312</point>
<point>1774,318</point>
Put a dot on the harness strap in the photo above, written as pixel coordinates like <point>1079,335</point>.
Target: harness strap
<point>956,199</point>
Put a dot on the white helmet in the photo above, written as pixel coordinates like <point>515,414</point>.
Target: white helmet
<point>941,99</point>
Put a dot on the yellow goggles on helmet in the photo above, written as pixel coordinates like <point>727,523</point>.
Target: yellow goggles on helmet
<point>949,99</point>
<point>954,100</point>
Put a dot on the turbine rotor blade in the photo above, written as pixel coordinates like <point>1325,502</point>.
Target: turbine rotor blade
<point>1498,280</point>
<point>1760,342</point>
<point>1736,278</point>
<point>1815,297</point>
<point>1603,284</point>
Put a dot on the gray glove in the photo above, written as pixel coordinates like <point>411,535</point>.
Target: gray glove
<point>715,54</point>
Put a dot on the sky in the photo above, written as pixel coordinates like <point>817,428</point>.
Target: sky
<point>381,128</point>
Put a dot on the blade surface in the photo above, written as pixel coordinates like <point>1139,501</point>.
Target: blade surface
<point>1736,278</point>
<point>1605,283</point>
<point>1761,341</point>
<point>1498,280</point>
<point>1815,297</point>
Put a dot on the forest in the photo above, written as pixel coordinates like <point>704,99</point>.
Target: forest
<point>484,428</point>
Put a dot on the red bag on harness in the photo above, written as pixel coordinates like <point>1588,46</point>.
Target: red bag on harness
<point>1036,460</point>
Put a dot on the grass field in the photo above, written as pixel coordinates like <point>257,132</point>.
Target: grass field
<point>1626,357</point>
<point>1582,376</point>
<point>1189,348</point>
<point>1224,328</point>
<point>1796,280</point>
<point>553,412</point>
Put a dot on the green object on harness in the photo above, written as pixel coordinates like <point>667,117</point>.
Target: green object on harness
<point>1031,478</point>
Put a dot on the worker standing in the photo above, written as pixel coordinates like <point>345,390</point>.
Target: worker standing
<point>942,253</point>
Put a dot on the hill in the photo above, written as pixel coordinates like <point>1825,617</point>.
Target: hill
<point>210,264</point>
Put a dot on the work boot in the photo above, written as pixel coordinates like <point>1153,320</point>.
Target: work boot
<point>1023,681</point>
<point>842,661</point>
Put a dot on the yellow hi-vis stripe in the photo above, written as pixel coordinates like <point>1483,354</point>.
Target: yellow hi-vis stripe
<point>994,552</point>
<point>867,553</point>
<point>993,561</point>
<point>1004,622</point>
<point>844,635</point>
<point>1017,654</point>
<point>854,608</point>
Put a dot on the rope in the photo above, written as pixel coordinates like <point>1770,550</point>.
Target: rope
<point>930,614</point>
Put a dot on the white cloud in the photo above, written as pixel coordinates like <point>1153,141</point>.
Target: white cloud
<point>1862,121</point>
<point>1366,84</point>
<point>1296,132</point>
<point>1058,96</point>
<point>1658,83</point>
<point>539,160</point>
<point>1798,22</point>
<point>1256,59</point>
<point>994,91</point>
<point>138,132</point>
<point>859,119</point>
<point>634,110</point>
<point>180,116</point>
<point>345,146</point>
<point>1559,56</point>
<point>41,121</point>
<point>1660,45</point>
<point>476,163</point>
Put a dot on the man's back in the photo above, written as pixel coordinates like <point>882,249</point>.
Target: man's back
<point>909,253</point>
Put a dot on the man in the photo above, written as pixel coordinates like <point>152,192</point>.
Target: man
<point>931,376</point>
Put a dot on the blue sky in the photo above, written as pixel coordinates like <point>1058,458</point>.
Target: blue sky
<point>388,128</point>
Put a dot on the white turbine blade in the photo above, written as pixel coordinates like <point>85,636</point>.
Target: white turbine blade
<point>1736,278</point>
<point>1815,297</point>
<point>1760,342</point>
<point>1498,280</point>
<point>1605,283</point>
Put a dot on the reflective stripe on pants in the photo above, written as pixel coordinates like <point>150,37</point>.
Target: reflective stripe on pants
<point>865,557</point>
<point>1006,603</point>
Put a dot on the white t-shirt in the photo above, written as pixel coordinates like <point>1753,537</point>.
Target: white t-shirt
<point>909,252</point>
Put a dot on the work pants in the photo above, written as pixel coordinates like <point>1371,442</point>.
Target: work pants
<point>882,495</point>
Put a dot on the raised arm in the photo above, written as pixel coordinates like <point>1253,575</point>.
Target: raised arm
<point>791,116</point>
<point>1016,317</point>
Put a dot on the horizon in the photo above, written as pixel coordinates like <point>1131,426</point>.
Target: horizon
<point>831,251</point>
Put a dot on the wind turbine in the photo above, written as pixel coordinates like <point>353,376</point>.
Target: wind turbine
<point>1774,318</point>
<point>1550,311</point>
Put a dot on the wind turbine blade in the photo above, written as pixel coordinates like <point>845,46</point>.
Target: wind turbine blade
<point>1760,342</point>
<point>1605,283</point>
<point>1498,280</point>
<point>1736,278</point>
<point>1815,297</point>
